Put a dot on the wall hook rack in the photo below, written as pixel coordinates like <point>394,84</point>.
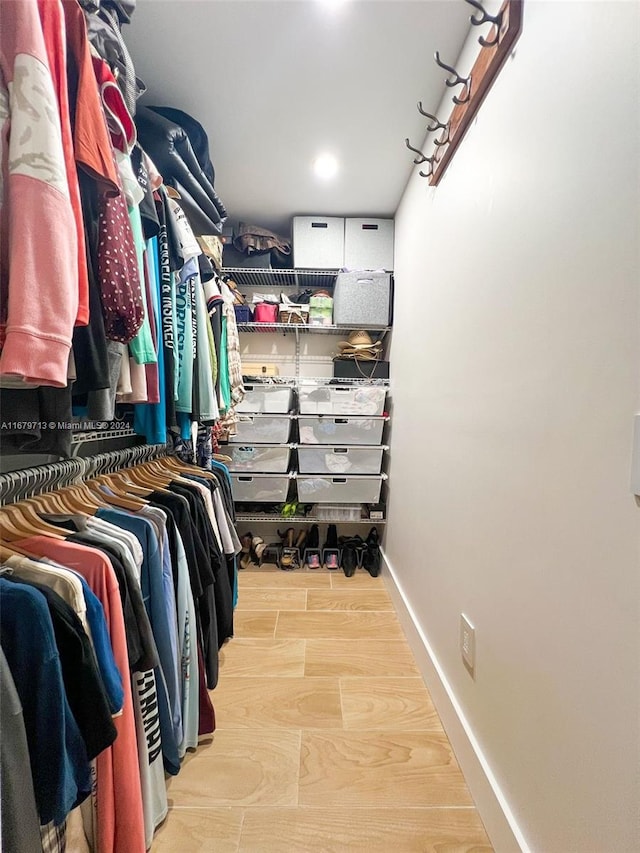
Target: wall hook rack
<point>456,81</point>
<point>420,158</point>
<point>494,51</point>
<point>486,18</point>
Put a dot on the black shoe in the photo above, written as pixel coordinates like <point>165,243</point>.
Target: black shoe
<point>332,537</point>
<point>313,537</point>
<point>349,559</point>
<point>371,558</point>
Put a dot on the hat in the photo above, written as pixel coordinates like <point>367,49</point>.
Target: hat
<point>358,341</point>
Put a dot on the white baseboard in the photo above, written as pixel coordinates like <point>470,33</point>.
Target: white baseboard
<point>499,822</point>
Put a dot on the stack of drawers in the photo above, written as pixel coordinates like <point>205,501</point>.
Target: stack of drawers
<point>260,451</point>
<point>340,451</point>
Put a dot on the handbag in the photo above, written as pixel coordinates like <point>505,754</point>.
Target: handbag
<point>265,312</point>
<point>243,314</point>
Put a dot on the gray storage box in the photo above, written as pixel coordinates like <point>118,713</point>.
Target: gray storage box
<point>266,398</point>
<point>340,431</point>
<point>260,488</point>
<point>362,299</point>
<point>341,399</point>
<point>342,490</point>
<point>340,460</point>
<point>318,242</point>
<point>368,244</point>
<point>262,429</point>
<point>261,458</point>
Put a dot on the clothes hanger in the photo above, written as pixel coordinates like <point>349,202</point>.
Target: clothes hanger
<point>131,504</point>
<point>23,517</point>
<point>116,484</point>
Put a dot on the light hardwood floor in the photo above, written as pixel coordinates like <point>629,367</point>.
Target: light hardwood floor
<point>327,740</point>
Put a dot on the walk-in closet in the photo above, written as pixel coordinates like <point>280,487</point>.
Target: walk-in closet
<point>319,426</point>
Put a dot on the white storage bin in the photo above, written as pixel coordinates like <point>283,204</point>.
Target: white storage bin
<point>260,488</point>
<point>341,399</point>
<point>331,490</point>
<point>318,242</point>
<point>368,244</point>
<point>340,431</point>
<point>265,398</point>
<point>340,460</point>
<point>262,458</point>
<point>262,429</point>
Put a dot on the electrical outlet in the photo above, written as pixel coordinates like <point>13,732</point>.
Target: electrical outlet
<point>468,643</point>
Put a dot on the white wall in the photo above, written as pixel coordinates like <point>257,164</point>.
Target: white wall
<point>515,380</point>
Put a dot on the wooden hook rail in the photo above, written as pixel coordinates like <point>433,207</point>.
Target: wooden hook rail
<point>495,48</point>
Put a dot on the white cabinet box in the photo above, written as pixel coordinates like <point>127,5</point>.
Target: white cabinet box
<point>339,490</point>
<point>368,244</point>
<point>261,458</point>
<point>260,488</point>
<point>264,398</point>
<point>262,429</point>
<point>318,242</point>
<point>340,431</point>
<point>341,399</point>
<point>340,460</point>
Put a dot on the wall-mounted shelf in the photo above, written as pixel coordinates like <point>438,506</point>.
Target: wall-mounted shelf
<point>272,518</point>
<point>254,277</point>
<point>304,328</point>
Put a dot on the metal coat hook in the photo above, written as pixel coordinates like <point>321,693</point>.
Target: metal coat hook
<point>486,19</point>
<point>432,164</point>
<point>437,123</point>
<point>420,158</point>
<point>457,81</point>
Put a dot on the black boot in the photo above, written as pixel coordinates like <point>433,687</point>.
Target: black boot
<point>349,558</point>
<point>371,558</point>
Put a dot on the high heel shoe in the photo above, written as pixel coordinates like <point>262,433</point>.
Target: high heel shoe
<point>331,550</point>
<point>245,558</point>
<point>287,537</point>
<point>289,555</point>
<point>301,538</point>
<point>257,549</point>
<point>312,551</point>
<point>371,558</point>
<point>352,548</point>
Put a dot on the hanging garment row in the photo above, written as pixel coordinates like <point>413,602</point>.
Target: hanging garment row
<point>129,309</point>
<point>116,595</point>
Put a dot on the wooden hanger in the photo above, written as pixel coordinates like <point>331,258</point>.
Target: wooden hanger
<point>131,504</point>
<point>23,519</point>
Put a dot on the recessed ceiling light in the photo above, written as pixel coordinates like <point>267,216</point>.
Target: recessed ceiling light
<point>325,166</point>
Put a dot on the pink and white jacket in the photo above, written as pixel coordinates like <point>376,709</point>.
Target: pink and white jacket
<point>38,238</point>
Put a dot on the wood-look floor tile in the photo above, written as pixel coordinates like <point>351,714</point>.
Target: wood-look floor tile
<point>361,580</point>
<point>334,830</point>
<point>379,703</point>
<point>272,599</point>
<point>359,658</point>
<point>294,703</point>
<point>348,599</point>
<point>261,656</point>
<point>278,579</point>
<point>254,623</point>
<point>240,768</point>
<point>339,626</point>
<point>382,768</point>
<point>215,830</point>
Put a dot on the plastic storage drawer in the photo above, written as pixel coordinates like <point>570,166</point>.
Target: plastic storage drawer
<point>318,242</point>
<point>262,429</point>
<point>268,399</point>
<point>341,400</point>
<point>340,431</point>
<point>262,458</point>
<point>260,488</point>
<point>341,490</point>
<point>340,460</point>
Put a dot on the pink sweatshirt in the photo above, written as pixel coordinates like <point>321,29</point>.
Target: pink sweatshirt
<point>38,238</point>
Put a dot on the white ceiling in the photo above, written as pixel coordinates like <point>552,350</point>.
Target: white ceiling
<point>275,82</point>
